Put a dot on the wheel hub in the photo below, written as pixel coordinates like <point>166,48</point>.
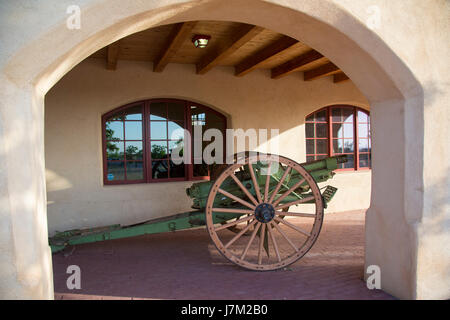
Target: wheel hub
<point>264,212</point>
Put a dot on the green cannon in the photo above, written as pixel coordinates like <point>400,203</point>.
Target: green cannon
<point>320,170</point>
<point>255,197</point>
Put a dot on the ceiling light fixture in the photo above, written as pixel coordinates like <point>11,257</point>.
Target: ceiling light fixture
<point>200,40</point>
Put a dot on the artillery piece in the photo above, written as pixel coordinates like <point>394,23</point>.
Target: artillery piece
<point>252,197</point>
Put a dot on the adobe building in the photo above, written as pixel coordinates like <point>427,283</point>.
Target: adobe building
<point>370,79</point>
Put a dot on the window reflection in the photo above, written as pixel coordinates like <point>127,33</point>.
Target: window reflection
<point>206,119</point>
<point>349,135</point>
<point>134,147</point>
<point>158,130</point>
<point>160,169</point>
<point>158,111</point>
<point>135,170</point>
<point>114,130</point>
<point>159,149</point>
<point>133,130</point>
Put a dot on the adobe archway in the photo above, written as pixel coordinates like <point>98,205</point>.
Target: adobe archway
<point>396,99</point>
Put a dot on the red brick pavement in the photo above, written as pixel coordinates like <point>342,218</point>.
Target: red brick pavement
<point>186,265</point>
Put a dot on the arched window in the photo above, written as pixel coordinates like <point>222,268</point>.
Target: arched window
<point>339,129</point>
<point>139,138</point>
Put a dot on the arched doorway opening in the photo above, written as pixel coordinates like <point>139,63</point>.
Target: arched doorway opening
<point>390,95</point>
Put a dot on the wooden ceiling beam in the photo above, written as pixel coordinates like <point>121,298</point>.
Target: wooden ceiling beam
<point>245,34</point>
<point>295,64</point>
<point>178,35</point>
<point>320,72</point>
<point>340,77</point>
<point>263,55</point>
<point>112,55</point>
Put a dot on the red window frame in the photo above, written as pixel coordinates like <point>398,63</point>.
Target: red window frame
<point>330,138</point>
<point>146,139</point>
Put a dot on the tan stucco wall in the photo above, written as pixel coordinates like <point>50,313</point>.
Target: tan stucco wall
<point>401,67</point>
<point>73,107</point>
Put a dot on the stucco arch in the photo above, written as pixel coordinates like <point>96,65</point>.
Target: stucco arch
<point>49,50</point>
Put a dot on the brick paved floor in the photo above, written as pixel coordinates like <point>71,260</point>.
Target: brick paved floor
<point>186,265</point>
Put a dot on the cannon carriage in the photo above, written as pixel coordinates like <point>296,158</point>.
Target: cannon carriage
<point>262,212</point>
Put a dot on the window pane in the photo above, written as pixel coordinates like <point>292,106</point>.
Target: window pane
<point>347,114</point>
<point>160,169</point>
<point>322,146</point>
<point>321,130</point>
<point>158,130</point>
<point>336,114</point>
<point>348,130</point>
<point>203,119</point>
<point>309,130</point>
<point>310,146</point>
<point>310,158</point>
<point>216,125</point>
<point>119,116</point>
<point>158,111</point>
<point>338,146</point>
<point>363,131</point>
<point>207,114</point>
<point>115,171</point>
<point>321,157</point>
<point>362,117</point>
<point>114,150</point>
<point>310,118</point>
<point>321,116</point>
<point>114,130</point>
<point>363,145</point>
<point>176,111</point>
<point>364,160</point>
<point>350,162</point>
<point>135,170</point>
<point>348,145</point>
<point>159,149</point>
<point>133,113</point>
<point>133,130</point>
<point>338,130</point>
<point>176,148</point>
<point>198,118</point>
<point>134,150</point>
<point>176,131</point>
<point>176,171</point>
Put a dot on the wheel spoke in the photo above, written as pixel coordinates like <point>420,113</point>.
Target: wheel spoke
<point>233,223</point>
<point>261,242</point>
<point>279,184</point>
<point>275,245</point>
<point>293,203</point>
<point>229,195</point>
<point>248,194</point>
<point>255,183</point>
<point>266,189</point>
<point>292,226</point>
<point>284,195</point>
<point>240,233</point>
<point>284,235</point>
<point>295,214</point>
<point>231,210</point>
<point>250,241</point>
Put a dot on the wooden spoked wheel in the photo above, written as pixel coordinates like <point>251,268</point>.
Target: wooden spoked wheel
<point>283,236</point>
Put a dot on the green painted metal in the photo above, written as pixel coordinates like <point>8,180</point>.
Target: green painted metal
<point>176,222</point>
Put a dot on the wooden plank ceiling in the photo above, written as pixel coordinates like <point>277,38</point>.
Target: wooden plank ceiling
<point>242,46</point>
